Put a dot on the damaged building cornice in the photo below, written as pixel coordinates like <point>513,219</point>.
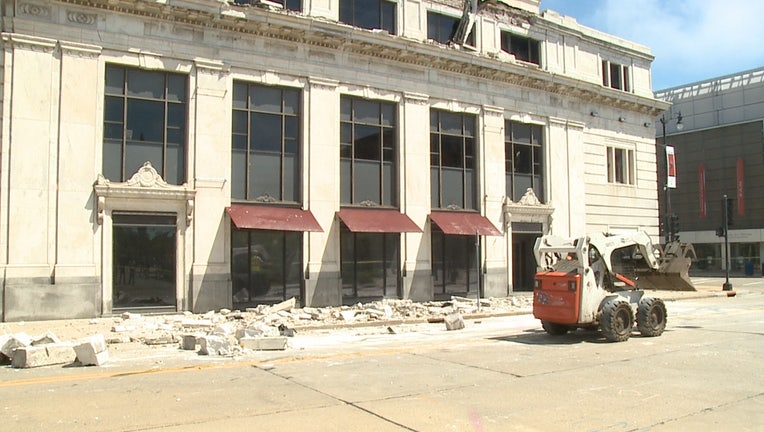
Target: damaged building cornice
<point>327,34</point>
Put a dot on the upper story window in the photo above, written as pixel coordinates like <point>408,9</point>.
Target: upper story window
<point>368,152</point>
<point>369,14</point>
<point>144,120</point>
<point>453,174</point>
<point>620,166</point>
<point>293,5</point>
<point>523,159</point>
<point>615,76</point>
<point>442,28</point>
<point>523,48</point>
<point>265,144</point>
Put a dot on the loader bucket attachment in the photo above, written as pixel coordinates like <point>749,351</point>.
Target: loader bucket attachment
<point>673,273</point>
<point>665,282</point>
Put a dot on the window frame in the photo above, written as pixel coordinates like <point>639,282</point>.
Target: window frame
<point>439,38</point>
<point>622,72</point>
<point>468,162</point>
<point>178,103</point>
<point>533,47</point>
<point>352,7</point>
<point>537,149</point>
<point>249,136</point>
<point>620,166</point>
<point>387,152</point>
<point>285,4</point>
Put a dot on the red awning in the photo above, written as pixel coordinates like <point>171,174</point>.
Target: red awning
<point>269,217</point>
<point>377,221</point>
<point>463,223</point>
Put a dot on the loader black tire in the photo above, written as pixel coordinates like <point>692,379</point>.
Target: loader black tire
<point>617,320</point>
<point>651,317</point>
<point>554,329</point>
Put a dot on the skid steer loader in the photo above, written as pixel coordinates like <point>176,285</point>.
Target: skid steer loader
<point>598,281</point>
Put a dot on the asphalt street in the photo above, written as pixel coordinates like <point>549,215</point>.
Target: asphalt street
<point>497,374</point>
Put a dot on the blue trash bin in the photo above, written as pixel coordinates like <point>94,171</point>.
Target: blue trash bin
<point>749,268</point>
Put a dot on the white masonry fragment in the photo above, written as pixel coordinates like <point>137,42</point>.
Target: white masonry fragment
<point>92,351</point>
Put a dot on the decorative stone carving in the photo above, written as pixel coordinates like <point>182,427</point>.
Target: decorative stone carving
<point>530,199</point>
<point>266,198</point>
<point>147,177</point>
<point>34,10</point>
<point>81,18</point>
<point>528,209</point>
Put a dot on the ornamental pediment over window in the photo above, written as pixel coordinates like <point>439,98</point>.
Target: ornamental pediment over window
<point>145,184</point>
<point>528,204</point>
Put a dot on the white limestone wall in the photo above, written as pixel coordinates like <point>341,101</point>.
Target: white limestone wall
<point>79,142</point>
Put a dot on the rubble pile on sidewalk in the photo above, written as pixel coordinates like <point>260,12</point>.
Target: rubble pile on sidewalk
<point>230,333</point>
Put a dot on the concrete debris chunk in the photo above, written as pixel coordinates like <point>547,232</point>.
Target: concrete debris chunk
<point>454,321</point>
<point>348,315</point>
<point>197,323</point>
<point>92,351</point>
<point>213,345</point>
<point>48,338</point>
<point>42,355</point>
<point>130,315</point>
<point>264,343</point>
<point>224,329</point>
<point>15,341</point>
<point>257,330</point>
<point>188,342</point>
<point>286,305</point>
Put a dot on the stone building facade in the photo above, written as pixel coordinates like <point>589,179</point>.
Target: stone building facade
<point>168,155</point>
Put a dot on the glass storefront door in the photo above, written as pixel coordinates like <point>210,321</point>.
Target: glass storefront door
<point>143,251</point>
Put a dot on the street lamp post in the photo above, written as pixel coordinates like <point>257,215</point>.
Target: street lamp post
<point>669,163</point>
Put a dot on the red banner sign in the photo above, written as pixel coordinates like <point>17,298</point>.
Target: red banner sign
<point>670,168</point>
<point>702,190</point>
<point>740,196</point>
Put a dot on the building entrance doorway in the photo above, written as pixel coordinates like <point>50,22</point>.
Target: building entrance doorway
<point>144,259</point>
<point>524,237</point>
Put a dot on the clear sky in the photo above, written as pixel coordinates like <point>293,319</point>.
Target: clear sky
<point>692,40</point>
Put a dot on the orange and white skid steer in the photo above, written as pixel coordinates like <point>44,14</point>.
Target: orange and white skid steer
<point>594,282</point>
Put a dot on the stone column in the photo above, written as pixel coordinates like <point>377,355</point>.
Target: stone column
<point>493,187</point>
<point>321,177</point>
<point>415,201</point>
<point>211,147</point>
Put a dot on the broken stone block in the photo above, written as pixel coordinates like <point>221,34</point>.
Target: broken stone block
<point>213,345</point>
<point>348,315</point>
<point>224,329</point>
<point>257,330</point>
<point>48,338</point>
<point>454,321</point>
<point>284,306</point>
<point>92,351</point>
<point>195,323</point>
<point>188,342</point>
<point>42,355</point>
<point>264,343</point>
<point>4,338</point>
<point>15,341</point>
